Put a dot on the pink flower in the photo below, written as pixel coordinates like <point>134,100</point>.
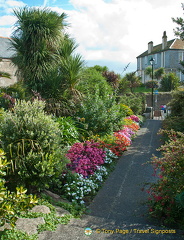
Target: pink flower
<point>85,157</point>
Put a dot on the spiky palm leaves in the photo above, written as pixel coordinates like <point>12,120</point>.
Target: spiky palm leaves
<point>36,40</point>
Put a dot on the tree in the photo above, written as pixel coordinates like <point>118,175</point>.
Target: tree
<point>100,68</point>
<point>148,71</point>
<point>92,82</point>
<point>169,82</point>
<point>112,78</point>
<point>36,40</point>
<point>179,31</point>
<point>159,73</point>
<point>133,80</point>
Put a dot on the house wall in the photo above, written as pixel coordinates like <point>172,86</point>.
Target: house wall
<point>168,59</point>
<point>7,66</point>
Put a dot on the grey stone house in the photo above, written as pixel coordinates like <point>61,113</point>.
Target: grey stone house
<point>168,55</point>
<point>6,53</point>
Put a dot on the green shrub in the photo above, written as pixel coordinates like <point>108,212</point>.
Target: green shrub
<point>166,195</point>
<point>69,132</point>
<point>12,203</point>
<point>175,123</point>
<point>32,140</point>
<point>134,101</point>
<point>99,115</point>
<point>169,82</point>
<point>177,103</point>
<point>92,81</point>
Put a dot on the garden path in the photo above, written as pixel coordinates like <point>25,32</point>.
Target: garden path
<point>120,204</point>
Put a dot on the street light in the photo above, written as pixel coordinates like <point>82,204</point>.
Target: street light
<point>151,62</point>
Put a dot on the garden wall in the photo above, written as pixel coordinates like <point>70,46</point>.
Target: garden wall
<point>162,98</point>
<point>7,66</point>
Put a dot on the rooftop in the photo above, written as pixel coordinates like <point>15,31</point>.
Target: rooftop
<point>172,44</point>
<point>6,50</point>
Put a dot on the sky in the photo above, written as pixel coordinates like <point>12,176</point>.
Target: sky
<point>109,33</point>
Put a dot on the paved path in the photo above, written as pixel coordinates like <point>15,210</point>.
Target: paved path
<point>119,211</point>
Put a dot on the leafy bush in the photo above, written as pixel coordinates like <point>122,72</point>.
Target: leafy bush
<point>151,84</point>
<point>169,82</point>
<point>134,101</point>
<point>177,104</point>
<point>124,108</point>
<point>12,203</point>
<point>31,139</point>
<point>9,94</point>
<point>69,132</point>
<point>175,123</point>
<point>166,201</point>
<point>92,81</point>
<point>100,115</point>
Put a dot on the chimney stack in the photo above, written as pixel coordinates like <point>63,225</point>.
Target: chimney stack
<point>150,47</point>
<point>164,40</point>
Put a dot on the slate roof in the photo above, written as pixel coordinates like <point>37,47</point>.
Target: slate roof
<point>6,51</point>
<point>172,44</point>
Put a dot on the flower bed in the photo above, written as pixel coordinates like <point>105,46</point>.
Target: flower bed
<point>90,161</point>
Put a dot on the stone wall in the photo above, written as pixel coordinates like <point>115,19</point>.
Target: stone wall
<point>7,66</point>
<point>162,98</point>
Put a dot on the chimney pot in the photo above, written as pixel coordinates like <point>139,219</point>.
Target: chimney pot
<point>164,40</point>
<point>150,47</point>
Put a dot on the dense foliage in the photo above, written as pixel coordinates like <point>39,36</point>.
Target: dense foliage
<point>177,104</point>
<point>36,39</point>
<point>12,203</point>
<point>166,200</point>
<point>169,82</point>
<point>31,139</point>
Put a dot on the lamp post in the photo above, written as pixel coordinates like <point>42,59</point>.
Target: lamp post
<point>151,62</point>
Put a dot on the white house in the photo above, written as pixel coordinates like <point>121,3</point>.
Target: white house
<point>167,55</point>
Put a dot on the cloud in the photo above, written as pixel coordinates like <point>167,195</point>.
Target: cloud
<point>111,30</point>
<point>6,7</point>
<point>15,3</point>
<point>6,32</point>
<point>7,20</point>
<point>119,30</point>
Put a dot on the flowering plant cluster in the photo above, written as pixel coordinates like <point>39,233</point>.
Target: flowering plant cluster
<point>78,187</point>
<point>134,118</point>
<point>85,157</point>
<point>165,196</point>
<point>121,139</point>
<point>90,161</point>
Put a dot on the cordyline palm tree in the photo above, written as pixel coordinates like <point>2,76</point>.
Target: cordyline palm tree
<point>36,40</point>
<point>133,80</point>
<point>62,81</point>
<point>70,70</point>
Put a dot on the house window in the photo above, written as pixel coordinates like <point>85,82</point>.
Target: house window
<point>181,57</point>
<point>146,60</point>
<point>155,57</point>
<point>140,63</point>
<point>163,59</point>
